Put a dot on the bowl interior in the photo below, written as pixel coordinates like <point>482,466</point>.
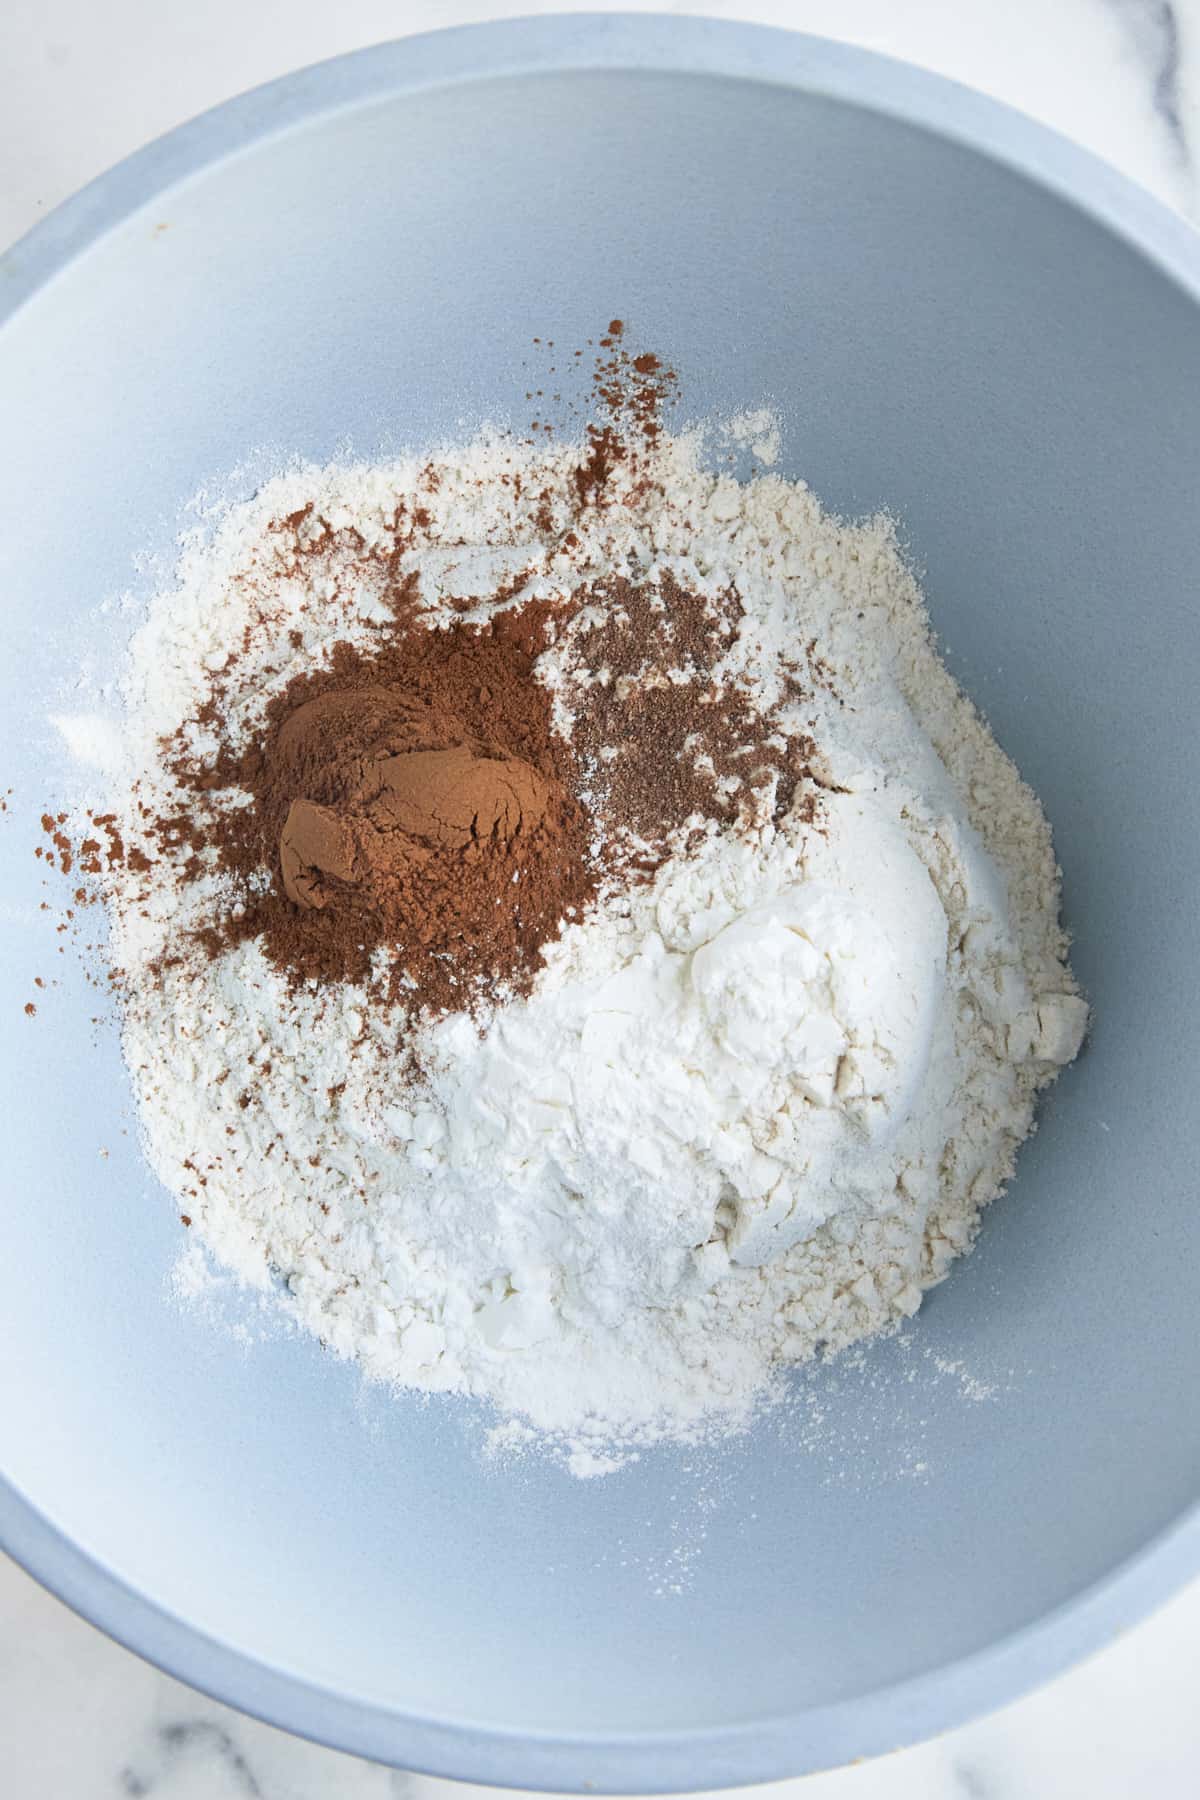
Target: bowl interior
<point>943,338</point>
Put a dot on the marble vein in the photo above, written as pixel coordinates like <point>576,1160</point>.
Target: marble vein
<point>1155,33</point>
<point>969,1782</point>
<point>183,1740</point>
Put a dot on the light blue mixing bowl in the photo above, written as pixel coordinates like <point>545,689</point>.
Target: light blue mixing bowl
<point>962,318</point>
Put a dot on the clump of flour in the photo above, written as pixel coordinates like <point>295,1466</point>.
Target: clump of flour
<point>752,1107</point>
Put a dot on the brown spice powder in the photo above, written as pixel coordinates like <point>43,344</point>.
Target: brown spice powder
<point>457,900</point>
<point>663,739</point>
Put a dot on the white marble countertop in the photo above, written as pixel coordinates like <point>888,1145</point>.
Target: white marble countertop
<point>82,84</point>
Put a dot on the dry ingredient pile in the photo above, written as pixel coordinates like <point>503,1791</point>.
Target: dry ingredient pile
<point>575,940</point>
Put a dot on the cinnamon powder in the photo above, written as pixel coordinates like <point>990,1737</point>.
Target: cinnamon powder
<point>413,800</point>
<point>664,739</point>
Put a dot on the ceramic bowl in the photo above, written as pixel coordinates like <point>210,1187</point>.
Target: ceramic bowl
<point>961,318</point>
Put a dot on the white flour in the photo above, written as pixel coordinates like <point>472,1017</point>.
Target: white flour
<point>749,1111</point>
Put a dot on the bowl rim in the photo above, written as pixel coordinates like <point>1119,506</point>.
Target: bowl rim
<point>806,1739</point>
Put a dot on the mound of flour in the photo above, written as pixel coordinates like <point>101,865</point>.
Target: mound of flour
<point>751,1109</point>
